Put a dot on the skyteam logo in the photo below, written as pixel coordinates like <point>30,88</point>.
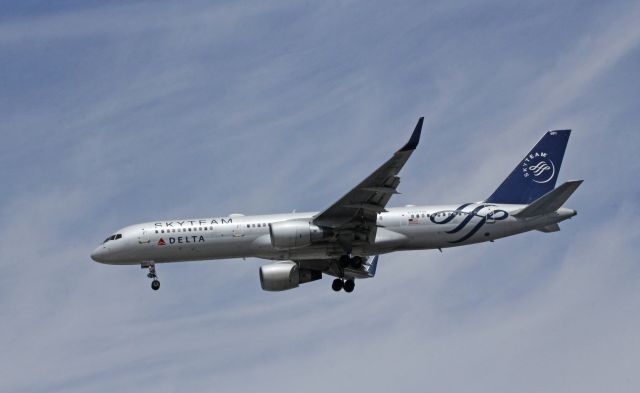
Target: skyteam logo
<point>539,167</point>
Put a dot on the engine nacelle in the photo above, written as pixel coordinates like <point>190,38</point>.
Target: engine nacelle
<point>285,275</point>
<point>286,235</point>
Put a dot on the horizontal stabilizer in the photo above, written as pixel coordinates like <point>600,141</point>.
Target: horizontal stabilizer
<point>550,228</point>
<point>551,201</point>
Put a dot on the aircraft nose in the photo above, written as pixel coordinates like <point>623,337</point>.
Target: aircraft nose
<point>99,254</point>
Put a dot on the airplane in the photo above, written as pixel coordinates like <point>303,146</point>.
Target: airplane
<point>346,239</point>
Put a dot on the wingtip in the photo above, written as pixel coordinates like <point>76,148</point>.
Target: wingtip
<point>415,136</point>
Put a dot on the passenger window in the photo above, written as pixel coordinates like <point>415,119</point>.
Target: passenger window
<point>162,231</point>
<point>248,226</point>
<point>156,231</point>
<point>189,229</point>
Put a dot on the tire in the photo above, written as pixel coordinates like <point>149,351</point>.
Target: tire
<point>337,285</point>
<point>155,285</point>
<point>356,262</point>
<point>349,285</point>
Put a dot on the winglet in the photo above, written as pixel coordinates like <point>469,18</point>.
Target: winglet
<point>415,137</point>
<point>371,267</point>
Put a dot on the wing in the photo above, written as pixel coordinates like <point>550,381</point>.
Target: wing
<point>353,217</point>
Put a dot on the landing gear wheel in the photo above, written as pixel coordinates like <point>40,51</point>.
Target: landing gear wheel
<point>337,285</point>
<point>155,284</point>
<point>349,285</point>
<point>356,262</point>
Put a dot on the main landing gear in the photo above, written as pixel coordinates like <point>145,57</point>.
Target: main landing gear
<point>347,285</point>
<point>155,284</point>
<point>349,261</point>
<point>344,262</point>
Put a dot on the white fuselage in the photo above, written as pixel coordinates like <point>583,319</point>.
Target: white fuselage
<point>239,236</point>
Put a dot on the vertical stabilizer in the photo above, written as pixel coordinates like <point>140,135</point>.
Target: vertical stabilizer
<point>536,174</point>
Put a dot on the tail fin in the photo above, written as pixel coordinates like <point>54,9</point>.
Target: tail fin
<point>551,201</point>
<point>536,174</point>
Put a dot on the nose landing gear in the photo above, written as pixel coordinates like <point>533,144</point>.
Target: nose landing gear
<point>155,284</point>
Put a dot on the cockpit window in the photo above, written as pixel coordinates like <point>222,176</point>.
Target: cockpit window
<point>112,237</point>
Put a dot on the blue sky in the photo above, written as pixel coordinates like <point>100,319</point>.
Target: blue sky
<point>117,113</point>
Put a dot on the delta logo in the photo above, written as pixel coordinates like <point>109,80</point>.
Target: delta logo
<point>181,240</point>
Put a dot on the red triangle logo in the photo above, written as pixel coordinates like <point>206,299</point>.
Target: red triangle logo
<point>161,242</point>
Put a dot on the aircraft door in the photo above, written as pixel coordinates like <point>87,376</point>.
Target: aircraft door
<point>143,237</point>
<point>404,219</point>
<point>237,231</point>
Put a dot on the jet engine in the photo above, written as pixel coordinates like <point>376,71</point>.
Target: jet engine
<point>281,276</point>
<point>286,235</point>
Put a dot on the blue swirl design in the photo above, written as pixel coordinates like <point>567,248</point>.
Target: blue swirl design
<point>493,215</point>
<point>539,168</point>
